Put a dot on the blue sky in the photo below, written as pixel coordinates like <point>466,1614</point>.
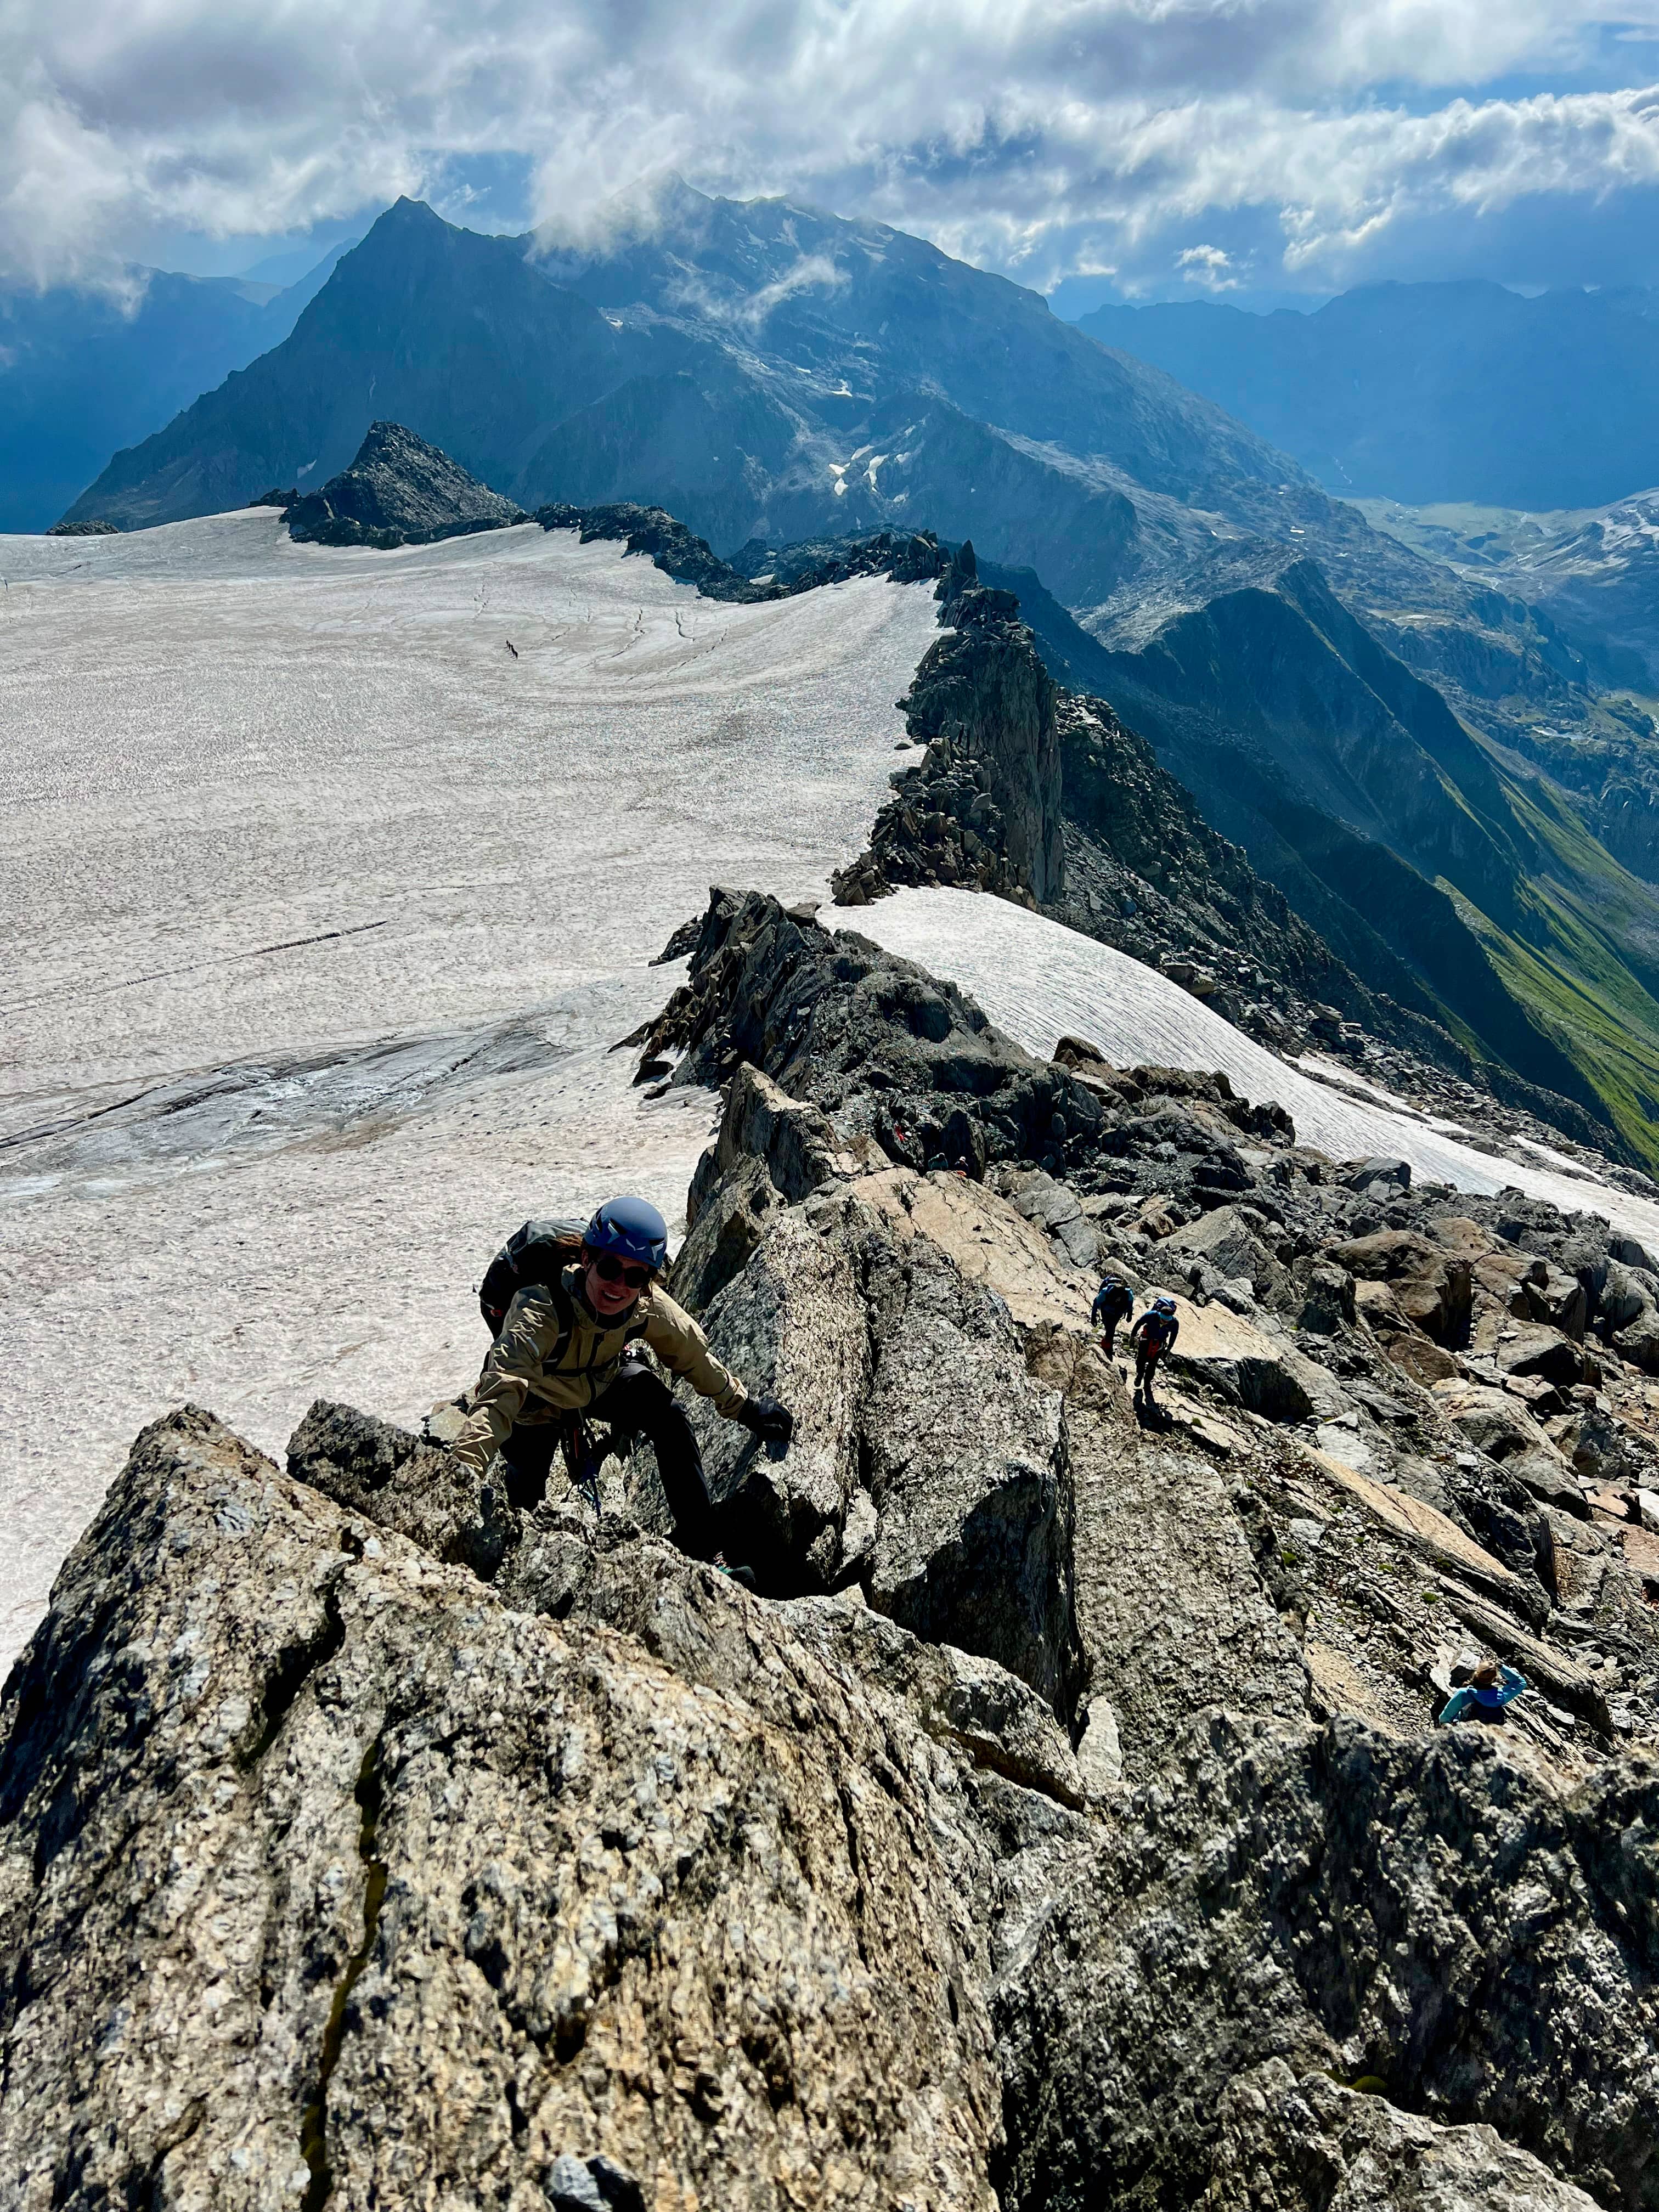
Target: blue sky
<point>1254,150</point>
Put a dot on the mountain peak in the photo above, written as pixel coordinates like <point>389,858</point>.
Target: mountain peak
<point>404,210</point>
<point>400,490</point>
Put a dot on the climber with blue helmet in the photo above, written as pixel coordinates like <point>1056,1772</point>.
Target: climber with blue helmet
<point>1153,1335</point>
<point>571,1345</point>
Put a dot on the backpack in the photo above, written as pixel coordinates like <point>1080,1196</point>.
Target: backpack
<point>1158,1328</point>
<point>538,1252</point>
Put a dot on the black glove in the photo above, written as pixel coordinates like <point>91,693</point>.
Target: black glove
<point>772,1423</point>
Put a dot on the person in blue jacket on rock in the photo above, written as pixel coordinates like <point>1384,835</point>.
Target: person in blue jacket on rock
<point>1487,1691</point>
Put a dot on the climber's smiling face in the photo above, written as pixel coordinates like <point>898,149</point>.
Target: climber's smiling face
<point>611,1286</point>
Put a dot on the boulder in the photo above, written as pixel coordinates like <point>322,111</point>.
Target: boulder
<point>1491,1420</point>
<point>1056,1207</point>
<point>1156,1220</point>
<point>1375,1304</point>
<point>1332,2149</point>
<point>1401,1341</point>
<point>1542,1399</point>
<point>1229,1241</point>
<point>1420,1359</point>
<point>1541,1352</point>
<point>1502,1276</point>
<point>1378,1178</point>
<point>1497,1423</point>
<point>1556,1299</point>
<point>1434,1287</point>
<point>1327,1303</point>
<point>339,1879</point>
<point>1639,1341</point>
<point>908,1384</point>
<point>1222,1352</point>
<point>1627,1293</point>
<point>1456,1234</point>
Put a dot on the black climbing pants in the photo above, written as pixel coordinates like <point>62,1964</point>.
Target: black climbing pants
<point>1146,1361</point>
<point>637,1404</point>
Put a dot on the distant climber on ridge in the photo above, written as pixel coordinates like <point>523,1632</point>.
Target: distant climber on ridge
<point>1483,1690</point>
<point>1114,1303</point>
<point>566,1349</point>
<point>1153,1335</point>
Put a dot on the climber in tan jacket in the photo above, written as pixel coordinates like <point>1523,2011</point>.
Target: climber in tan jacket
<point>564,1349</point>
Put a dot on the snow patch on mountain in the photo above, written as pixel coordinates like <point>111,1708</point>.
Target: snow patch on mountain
<point>1040,981</point>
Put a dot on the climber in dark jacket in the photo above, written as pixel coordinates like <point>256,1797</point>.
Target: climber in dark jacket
<point>1114,1302</point>
<point>1153,1335</point>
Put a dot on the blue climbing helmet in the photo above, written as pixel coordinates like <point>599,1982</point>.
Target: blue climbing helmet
<point>633,1229</point>
<point>1163,1305</point>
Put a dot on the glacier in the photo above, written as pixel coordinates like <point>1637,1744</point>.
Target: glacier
<point>322,910</point>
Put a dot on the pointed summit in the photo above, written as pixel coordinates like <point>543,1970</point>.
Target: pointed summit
<point>400,490</point>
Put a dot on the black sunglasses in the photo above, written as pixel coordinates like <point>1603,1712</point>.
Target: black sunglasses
<point>613,1270</point>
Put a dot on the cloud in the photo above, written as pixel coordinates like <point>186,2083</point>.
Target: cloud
<point>1272,141</point>
<point>812,272</point>
<point>1209,266</point>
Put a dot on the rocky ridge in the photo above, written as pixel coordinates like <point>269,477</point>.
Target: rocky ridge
<point>1063,1825</point>
<point>908,557</point>
<point>1106,841</point>
<point>397,491</point>
<point>983,807</point>
<point>1489,1359</point>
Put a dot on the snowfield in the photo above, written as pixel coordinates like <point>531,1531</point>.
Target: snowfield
<point>320,910</point>
<point>1039,983</point>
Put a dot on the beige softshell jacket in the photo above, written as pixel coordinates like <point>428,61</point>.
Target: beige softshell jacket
<point>529,1377</point>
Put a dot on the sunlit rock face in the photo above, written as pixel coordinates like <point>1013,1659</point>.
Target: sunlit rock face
<point>1022,1842</point>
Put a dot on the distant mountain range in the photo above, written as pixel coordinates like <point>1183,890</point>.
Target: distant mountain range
<point>83,372</point>
<point>1373,726</point>
<point>1596,569</point>
<point>1431,392</point>
<point>769,371</point>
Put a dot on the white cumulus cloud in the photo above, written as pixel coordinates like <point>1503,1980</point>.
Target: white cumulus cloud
<point>1307,141</point>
